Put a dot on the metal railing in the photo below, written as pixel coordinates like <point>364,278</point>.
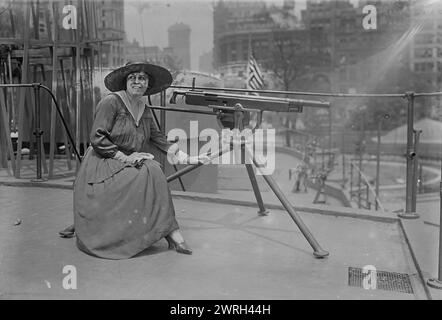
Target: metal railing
<point>363,192</point>
<point>38,132</point>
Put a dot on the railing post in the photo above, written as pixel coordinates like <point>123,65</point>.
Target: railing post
<point>359,188</point>
<point>378,162</point>
<point>367,190</point>
<point>417,134</point>
<point>343,160</point>
<point>163,121</point>
<point>351,180</point>
<point>437,283</point>
<point>410,155</point>
<point>37,131</point>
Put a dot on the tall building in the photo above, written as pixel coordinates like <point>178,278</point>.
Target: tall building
<point>426,48</point>
<point>179,40</point>
<point>153,54</point>
<point>426,51</point>
<point>205,63</point>
<point>111,26</point>
<point>245,26</point>
<point>352,51</point>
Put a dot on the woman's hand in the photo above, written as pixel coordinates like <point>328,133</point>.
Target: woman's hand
<point>202,158</point>
<point>136,158</point>
<point>182,157</point>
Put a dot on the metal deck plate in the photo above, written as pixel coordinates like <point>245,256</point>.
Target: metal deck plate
<point>391,281</point>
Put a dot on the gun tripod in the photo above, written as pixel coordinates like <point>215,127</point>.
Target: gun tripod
<point>239,115</point>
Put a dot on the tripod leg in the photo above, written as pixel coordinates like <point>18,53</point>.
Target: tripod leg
<point>318,251</point>
<point>262,210</point>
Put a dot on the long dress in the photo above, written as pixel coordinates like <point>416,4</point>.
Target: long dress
<point>119,209</point>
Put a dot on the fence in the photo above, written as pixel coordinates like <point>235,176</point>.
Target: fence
<point>364,190</point>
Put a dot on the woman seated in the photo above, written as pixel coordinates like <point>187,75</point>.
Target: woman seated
<point>122,203</point>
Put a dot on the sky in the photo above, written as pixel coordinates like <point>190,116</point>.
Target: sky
<point>157,16</point>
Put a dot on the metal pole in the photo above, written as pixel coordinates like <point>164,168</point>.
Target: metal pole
<point>437,283</point>
<point>360,162</point>
<point>420,184</point>
<point>415,169</point>
<point>163,121</point>
<point>359,189</point>
<point>330,138</point>
<point>408,213</point>
<point>343,159</point>
<point>351,180</point>
<point>367,195</point>
<point>37,132</point>
<point>378,163</point>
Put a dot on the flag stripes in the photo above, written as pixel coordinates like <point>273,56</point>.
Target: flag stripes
<point>255,80</point>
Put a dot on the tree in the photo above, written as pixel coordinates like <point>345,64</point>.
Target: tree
<point>288,62</point>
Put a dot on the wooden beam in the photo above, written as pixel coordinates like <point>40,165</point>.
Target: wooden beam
<point>66,114</point>
<point>22,97</point>
<point>77,87</point>
<point>53,52</point>
<point>6,130</point>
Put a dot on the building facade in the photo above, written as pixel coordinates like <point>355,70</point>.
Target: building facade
<point>426,48</point>
<point>111,26</point>
<point>244,27</point>
<point>179,41</point>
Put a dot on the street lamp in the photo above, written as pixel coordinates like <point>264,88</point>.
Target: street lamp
<point>378,155</point>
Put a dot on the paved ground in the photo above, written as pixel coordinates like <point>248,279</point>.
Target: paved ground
<point>237,255</point>
<point>233,181</point>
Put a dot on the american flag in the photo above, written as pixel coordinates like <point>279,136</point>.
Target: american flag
<point>255,80</point>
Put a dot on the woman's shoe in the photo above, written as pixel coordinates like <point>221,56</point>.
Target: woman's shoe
<point>181,247</point>
<point>69,232</point>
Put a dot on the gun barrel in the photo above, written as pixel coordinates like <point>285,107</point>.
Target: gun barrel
<point>205,98</point>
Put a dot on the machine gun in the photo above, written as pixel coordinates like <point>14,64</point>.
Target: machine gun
<point>233,111</point>
<point>232,107</point>
<point>250,103</point>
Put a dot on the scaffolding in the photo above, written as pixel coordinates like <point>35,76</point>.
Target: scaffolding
<point>56,43</point>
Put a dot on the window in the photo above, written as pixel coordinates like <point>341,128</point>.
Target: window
<point>423,53</point>
<point>424,38</point>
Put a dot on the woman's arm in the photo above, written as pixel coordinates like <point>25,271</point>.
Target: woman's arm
<point>158,138</point>
<point>103,122</point>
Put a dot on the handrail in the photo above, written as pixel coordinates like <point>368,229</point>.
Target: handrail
<point>370,188</point>
<point>38,133</point>
<point>39,85</point>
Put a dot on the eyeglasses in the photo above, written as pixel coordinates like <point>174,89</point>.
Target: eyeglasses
<point>139,77</point>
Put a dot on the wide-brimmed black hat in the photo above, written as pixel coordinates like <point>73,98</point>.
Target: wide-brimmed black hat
<point>159,77</point>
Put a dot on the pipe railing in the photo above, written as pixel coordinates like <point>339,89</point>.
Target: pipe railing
<point>366,191</point>
<point>37,122</point>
